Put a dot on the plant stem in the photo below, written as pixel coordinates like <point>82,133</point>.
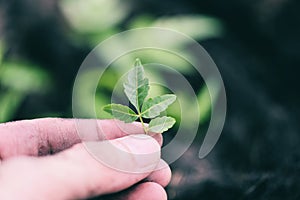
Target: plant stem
<point>142,122</point>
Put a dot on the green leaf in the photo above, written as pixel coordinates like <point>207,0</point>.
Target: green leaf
<point>137,86</point>
<point>161,124</point>
<point>153,107</point>
<point>121,112</point>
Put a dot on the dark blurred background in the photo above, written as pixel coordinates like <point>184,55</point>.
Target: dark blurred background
<point>255,44</point>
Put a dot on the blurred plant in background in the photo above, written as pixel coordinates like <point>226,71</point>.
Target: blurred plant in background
<point>93,21</point>
<point>17,80</point>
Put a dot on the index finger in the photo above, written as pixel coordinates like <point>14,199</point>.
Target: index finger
<point>50,135</point>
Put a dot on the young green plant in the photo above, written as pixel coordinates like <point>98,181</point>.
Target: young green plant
<point>136,88</point>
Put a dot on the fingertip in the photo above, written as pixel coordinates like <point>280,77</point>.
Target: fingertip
<point>162,175</point>
<point>154,189</point>
<point>147,191</point>
<point>158,137</point>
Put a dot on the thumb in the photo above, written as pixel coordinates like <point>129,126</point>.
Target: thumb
<point>130,154</point>
<point>85,170</point>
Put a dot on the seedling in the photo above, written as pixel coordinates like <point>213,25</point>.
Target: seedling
<point>136,88</point>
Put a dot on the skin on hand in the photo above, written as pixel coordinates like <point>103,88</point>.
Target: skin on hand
<point>28,171</point>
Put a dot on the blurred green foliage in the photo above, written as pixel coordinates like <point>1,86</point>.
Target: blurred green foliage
<point>92,21</point>
<point>24,77</point>
<point>94,16</point>
<point>17,80</point>
<point>1,52</point>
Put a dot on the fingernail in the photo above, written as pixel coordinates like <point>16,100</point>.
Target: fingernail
<point>132,154</point>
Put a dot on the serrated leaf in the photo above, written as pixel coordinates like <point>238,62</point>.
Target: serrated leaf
<point>153,107</point>
<point>137,86</point>
<point>161,124</point>
<point>121,112</point>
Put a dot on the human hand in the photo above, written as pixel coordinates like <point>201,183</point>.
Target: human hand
<point>46,159</point>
